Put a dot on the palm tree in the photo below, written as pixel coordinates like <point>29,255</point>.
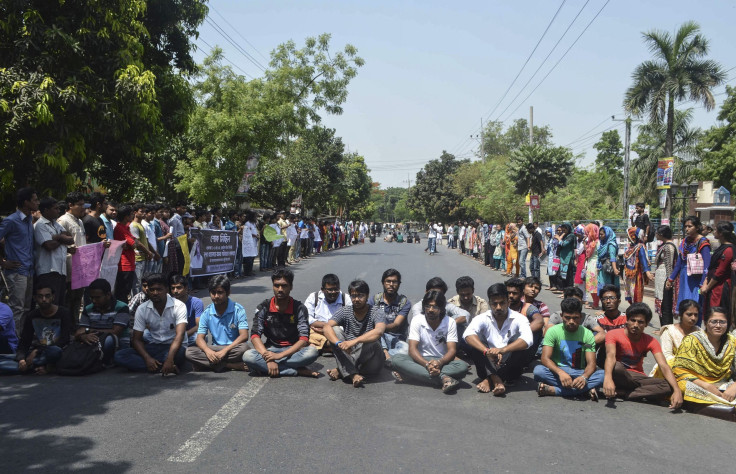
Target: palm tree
<point>678,72</point>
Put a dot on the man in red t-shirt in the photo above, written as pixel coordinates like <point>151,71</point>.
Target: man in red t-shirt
<point>625,351</point>
<point>611,318</point>
<point>126,267</point>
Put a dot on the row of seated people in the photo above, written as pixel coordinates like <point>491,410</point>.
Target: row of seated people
<point>365,334</point>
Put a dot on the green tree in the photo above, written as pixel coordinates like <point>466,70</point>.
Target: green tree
<point>677,72</point>
<point>610,152</point>
<point>493,197</point>
<point>718,146</point>
<point>433,195</point>
<point>538,170</point>
<point>589,194</point>
<point>497,142</point>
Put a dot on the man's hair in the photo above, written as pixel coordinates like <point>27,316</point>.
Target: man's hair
<point>100,284</point>
<point>47,203</point>
<point>177,279</point>
<point>330,279</point>
<point>283,274</point>
<point>640,204</point>
<point>359,286</point>
<point>571,305</point>
<point>639,309</point>
<point>41,284</point>
<point>219,281</point>
<point>144,279</point>
<point>74,197</point>
<point>464,282</point>
<point>436,282</point>
<point>96,198</point>
<point>157,279</point>
<point>609,288</point>
<point>515,283</point>
<point>532,280</point>
<point>389,273</point>
<point>23,195</point>
<point>572,292</point>
<point>439,299</point>
<point>529,227</point>
<point>124,212</point>
<point>497,289</point>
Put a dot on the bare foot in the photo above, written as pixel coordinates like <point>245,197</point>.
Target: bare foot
<point>397,376</point>
<point>484,386</point>
<point>333,374</point>
<point>41,370</point>
<point>306,372</point>
<point>498,387</point>
<point>358,380</point>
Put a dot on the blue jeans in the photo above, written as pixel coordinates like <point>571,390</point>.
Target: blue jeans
<point>433,245</point>
<point>546,376</point>
<point>534,266</point>
<point>522,261</point>
<point>287,366</point>
<point>394,344</point>
<point>8,364</point>
<point>131,360</point>
<point>49,355</point>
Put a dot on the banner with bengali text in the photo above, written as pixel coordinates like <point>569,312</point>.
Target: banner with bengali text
<point>212,252</point>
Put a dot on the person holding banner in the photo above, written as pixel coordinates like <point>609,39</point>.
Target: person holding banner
<point>51,241</point>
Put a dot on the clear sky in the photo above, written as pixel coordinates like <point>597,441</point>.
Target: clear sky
<point>434,69</point>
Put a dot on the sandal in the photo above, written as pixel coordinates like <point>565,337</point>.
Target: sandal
<point>542,390</point>
<point>397,376</point>
<point>593,395</point>
<point>449,384</point>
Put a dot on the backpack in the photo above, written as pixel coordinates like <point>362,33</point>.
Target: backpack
<point>80,359</point>
<point>316,298</point>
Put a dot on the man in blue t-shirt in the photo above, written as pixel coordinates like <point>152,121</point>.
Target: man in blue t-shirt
<point>180,290</point>
<point>227,323</point>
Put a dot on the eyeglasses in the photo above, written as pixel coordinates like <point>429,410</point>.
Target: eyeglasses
<point>391,282</point>
<point>609,298</point>
<point>717,322</point>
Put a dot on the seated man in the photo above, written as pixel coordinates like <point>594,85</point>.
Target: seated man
<point>284,322</point>
<point>432,347</point>
<point>166,320</point>
<point>357,350</point>
<point>498,340</point>
<point>321,306</point>
<point>46,331</point>
<point>625,351</point>
<point>226,321</point>
<point>568,357</point>
<point>8,341</point>
<point>104,321</point>
<point>396,309</point>
<point>459,315</point>
<point>611,318</point>
<point>466,299</point>
<point>180,290</point>
<point>532,288</point>
<point>589,321</point>
<point>515,288</point>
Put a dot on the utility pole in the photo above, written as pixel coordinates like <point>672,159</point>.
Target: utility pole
<point>627,160</point>
<point>531,143</point>
<point>482,142</point>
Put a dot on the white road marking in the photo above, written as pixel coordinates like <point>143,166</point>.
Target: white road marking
<point>200,440</point>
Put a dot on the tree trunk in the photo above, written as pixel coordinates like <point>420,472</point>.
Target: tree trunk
<point>668,149</point>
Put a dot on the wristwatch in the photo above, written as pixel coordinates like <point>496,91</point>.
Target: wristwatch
<point>86,330</point>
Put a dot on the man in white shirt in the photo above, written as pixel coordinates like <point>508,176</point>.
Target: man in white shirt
<point>497,340</point>
<point>432,238</point>
<point>71,221</point>
<point>459,315</point>
<point>152,266</point>
<point>321,306</point>
<point>51,241</point>
<point>166,320</point>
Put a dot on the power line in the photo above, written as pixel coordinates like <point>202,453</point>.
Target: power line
<point>589,131</point>
<point>229,39</point>
<point>559,60</point>
<point>225,58</point>
<point>527,60</point>
<point>211,7</point>
<point>545,59</point>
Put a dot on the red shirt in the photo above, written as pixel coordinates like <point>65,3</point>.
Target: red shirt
<point>608,325</point>
<point>127,259</point>
<point>629,353</point>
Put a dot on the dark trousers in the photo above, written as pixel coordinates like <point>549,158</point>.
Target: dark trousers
<point>634,386</point>
<point>462,246</point>
<point>510,368</point>
<point>489,249</point>
<point>365,359</point>
<point>248,265</point>
<point>281,252</point>
<point>666,317</point>
<point>123,285</point>
<point>55,281</point>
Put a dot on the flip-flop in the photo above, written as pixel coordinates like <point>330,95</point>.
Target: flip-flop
<point>449,385</point>
<point>593,395</point>
<point>542,390</point>
<point>397,376</point>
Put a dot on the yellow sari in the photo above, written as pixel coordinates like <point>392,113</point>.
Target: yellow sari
<point>697,359</point>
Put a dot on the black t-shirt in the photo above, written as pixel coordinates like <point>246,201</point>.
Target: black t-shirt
<point>537,243</point>
<point>40,331</point>
<point>94,229</point>
<point>642,222</point>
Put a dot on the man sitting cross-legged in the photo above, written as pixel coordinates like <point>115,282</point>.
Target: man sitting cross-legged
<point>356,347</point>
<point>568,357</point>
<point>104,321</point>
<point>498,340</point>
<point>432,347</point>
<point>226,321</point>
<point>284,322</point>
<point>322,305</point>
<point>625,351</point>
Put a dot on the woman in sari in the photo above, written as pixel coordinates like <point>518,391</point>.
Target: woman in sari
<point>512,250</point>
<point>552,244</point>
<point>718,284</point>
<point>499,255</point>
<point>636,265</point>
<point>664,262</point>
<point>608,270</point>
<point>671,335</point>
<point>566,251</point>
<point>591,262</point>
<point>705,367</point>
<point>580,260</point>
<point>691,276</point>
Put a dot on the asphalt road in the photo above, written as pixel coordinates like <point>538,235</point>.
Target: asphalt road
<point>204,422</point>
